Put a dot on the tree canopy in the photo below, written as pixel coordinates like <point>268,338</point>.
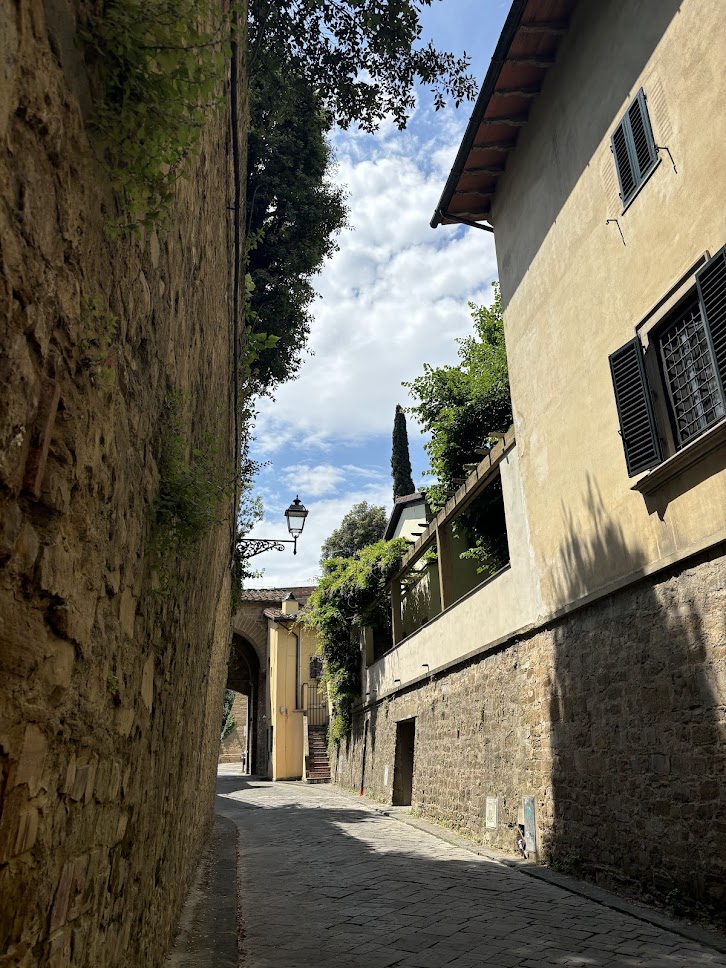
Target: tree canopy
<point>363,57</point>
<point>400,458</point>
<point>294,213</point>
<point>351,594</point>
<point>460,406</point>
<point>363,525</point>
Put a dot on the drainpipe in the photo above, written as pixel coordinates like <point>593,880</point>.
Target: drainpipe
<point>363,764</point>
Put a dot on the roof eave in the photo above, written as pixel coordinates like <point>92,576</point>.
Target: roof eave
<point>506,37</point>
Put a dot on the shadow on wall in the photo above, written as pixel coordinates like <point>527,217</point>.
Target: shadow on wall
<point>607,48</point>
<point>637,760</point>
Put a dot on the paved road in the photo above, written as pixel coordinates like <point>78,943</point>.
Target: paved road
<point>326,882</point>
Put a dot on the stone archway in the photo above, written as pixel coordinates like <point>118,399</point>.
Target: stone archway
<point>243,676</point>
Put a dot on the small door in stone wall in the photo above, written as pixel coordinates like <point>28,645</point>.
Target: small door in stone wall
<point>403,764</point>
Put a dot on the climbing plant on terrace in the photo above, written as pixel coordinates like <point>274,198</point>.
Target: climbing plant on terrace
<point>350,595</point>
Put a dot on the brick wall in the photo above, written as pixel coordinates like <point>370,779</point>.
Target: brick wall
<point>612,718</point>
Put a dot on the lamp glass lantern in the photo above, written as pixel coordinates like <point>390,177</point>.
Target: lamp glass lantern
<point>295,515</point>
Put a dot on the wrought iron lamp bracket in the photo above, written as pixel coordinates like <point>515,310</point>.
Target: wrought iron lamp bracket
<point>249,547</point>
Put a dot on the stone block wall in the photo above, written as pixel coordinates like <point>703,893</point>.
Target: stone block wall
<point>612,718</point>
<point>234,743</point>
<point>111,681</point>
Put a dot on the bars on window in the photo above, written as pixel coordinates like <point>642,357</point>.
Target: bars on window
<point>690,375</point>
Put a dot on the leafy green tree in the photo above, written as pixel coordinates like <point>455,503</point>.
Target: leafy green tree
<point>294,213</point>
<point>351,594</point>
<point>362,56</point>
<point>400,459</point>
<point>363,525</point>
<point>459,406</point>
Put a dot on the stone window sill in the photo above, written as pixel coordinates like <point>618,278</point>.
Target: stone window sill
<point>690,454</point>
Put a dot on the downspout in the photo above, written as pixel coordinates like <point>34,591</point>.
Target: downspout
<point>363,764</point>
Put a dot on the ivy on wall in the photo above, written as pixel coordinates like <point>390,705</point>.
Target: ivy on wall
<point>350,595</point>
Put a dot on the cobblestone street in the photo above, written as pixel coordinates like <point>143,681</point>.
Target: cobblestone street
<point>329,882</point>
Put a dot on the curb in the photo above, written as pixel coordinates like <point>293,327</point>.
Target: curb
<point>703,936</point>
<point>208,930</point>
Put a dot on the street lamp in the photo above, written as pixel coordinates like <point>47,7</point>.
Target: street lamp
<point>295,516</point>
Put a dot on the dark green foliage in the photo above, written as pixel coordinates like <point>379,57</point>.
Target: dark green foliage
<point>459,406</point>
<point>484,526</point>
<point>160,64</point>
<point>400,460</point>
<point>363,525</point>
<point>228,723</point>
<point>293,213</point>
<point>350,595</point>
<point>193,484</point>
<point>362,56</point>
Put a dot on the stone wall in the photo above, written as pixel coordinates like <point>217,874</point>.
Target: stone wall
<point>613,718</point>
<point>110,681</point>
<point>234,744</point>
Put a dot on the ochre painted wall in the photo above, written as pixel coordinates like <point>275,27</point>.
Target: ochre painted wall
<point>573,292</point>
<point>286,714</point>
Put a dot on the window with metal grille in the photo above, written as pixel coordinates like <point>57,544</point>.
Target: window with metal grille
<point>633,148</point>
<point>690,346</point>
<point>690,375</point>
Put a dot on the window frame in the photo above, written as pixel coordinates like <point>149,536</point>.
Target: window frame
<point>647,334</point>
<point>661,389</point>
<point>625,124</point>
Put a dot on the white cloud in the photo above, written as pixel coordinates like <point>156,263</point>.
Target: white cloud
<point>391,299</point>
<point>282,569</point>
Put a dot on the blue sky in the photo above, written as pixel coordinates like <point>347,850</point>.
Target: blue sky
<point>391,299</point>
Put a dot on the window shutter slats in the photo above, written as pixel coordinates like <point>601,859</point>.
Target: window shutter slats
<point>634,148</point>
<point>635,410</point>
<point>711,282</point>
<point>642,135</point>
<point>623,165</point>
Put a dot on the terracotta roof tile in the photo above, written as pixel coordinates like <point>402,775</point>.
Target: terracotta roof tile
<point>301,593</point>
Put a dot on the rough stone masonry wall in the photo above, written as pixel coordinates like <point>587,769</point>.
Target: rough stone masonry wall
<point>614,719</point>
<point>110,688</point>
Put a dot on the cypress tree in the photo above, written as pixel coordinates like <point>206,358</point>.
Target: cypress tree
<point>400,460</point>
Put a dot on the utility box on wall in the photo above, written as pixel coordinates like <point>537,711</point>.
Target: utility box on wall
<point>530,826</point>
<point>492,814</point>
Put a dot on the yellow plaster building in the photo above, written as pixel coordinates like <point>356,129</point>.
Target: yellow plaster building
<point>274,662</point>
<point>580,693</point>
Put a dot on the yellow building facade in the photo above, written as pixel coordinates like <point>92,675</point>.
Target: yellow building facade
<point>274,662</point>
<point>577,696</point>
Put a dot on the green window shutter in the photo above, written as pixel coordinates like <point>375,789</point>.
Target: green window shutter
<point>621,153</point>
<point>633,148</point>
<point>635,409</point>
<point>641,135</point>
<point>711,283</point>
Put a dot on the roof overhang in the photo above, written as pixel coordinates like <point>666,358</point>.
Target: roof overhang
<point>398,505</point>
<point>526,50</point>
